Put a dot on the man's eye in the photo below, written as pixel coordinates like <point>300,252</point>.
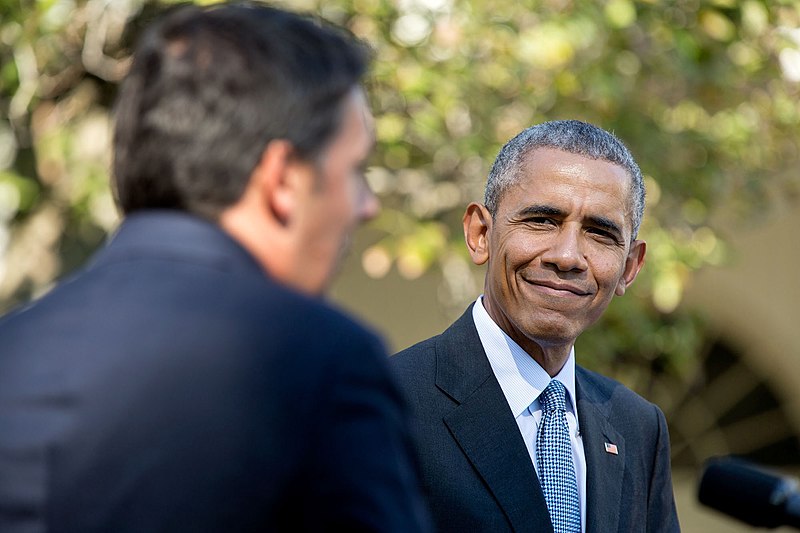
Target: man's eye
<point>602,233</point>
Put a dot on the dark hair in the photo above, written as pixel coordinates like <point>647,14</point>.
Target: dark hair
<point>209,88</point>
<point>571,136</point>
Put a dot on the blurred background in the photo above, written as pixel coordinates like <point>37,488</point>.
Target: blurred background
<point>705,93</point>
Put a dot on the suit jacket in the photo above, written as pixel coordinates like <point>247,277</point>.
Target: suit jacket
<point>172,386</point>
<point>476,470</point>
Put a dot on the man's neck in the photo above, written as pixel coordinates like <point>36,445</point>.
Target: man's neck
<point>550,357</point>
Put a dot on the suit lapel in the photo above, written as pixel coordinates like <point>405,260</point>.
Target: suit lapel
<point>604,470</point>
<point>484,428</point>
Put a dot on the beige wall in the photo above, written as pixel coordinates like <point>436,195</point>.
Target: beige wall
<point>754,302</point>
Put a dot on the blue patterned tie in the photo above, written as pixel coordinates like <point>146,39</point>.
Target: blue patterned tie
<point>554,457</point>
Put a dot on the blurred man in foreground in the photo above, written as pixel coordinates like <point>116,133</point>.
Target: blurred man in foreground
<point>189,378</point>
<point>513,435</point>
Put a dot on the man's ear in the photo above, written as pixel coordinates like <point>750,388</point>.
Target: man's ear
<point>477,223</point>
<point>276,182</point>
<point>633,264</point>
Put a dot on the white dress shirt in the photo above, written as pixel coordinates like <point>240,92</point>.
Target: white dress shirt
<point>522,380</point>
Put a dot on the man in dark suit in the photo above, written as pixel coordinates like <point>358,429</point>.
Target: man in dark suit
<point>563,205</point>
<point>190,378</point>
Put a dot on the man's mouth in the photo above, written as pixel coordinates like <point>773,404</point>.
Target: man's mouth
<point>563,288</point>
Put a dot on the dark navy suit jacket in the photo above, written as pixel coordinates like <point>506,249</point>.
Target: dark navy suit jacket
<point>476,470</point>
<point>172,386</point>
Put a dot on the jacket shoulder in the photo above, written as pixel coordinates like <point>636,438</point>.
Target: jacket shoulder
<point>415,367</point>
<point>415,353</point>
<point>614,398</point>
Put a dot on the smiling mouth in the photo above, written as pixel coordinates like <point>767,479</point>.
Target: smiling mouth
<point>559,288</point>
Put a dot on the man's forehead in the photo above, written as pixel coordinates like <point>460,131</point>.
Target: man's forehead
<point>544,161</point>
<point>360,99</point>
<point>536,155</point>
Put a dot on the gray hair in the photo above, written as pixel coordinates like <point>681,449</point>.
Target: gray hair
<point>571,136</point>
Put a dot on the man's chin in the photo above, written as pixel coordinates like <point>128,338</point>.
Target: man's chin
<point>551,331</point>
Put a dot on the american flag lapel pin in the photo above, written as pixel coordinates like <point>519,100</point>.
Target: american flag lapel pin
<point>611,448</point>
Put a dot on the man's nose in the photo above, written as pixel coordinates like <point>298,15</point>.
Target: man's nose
<point>566,250</point>
<point>369,205</point>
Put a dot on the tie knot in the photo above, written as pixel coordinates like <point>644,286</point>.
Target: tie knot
<point>553,397</point>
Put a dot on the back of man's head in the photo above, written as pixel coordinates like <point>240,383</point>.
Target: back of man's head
<point>209,88</point>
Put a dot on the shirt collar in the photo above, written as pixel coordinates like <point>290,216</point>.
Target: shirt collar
<point>521,378</point>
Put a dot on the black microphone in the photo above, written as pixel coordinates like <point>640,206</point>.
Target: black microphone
<point>746,491</point>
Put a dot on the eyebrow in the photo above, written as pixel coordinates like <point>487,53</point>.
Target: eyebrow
<point>541,210</point>
<point>551,211</point>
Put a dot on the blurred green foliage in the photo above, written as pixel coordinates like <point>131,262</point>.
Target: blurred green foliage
<point>705,93</point>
